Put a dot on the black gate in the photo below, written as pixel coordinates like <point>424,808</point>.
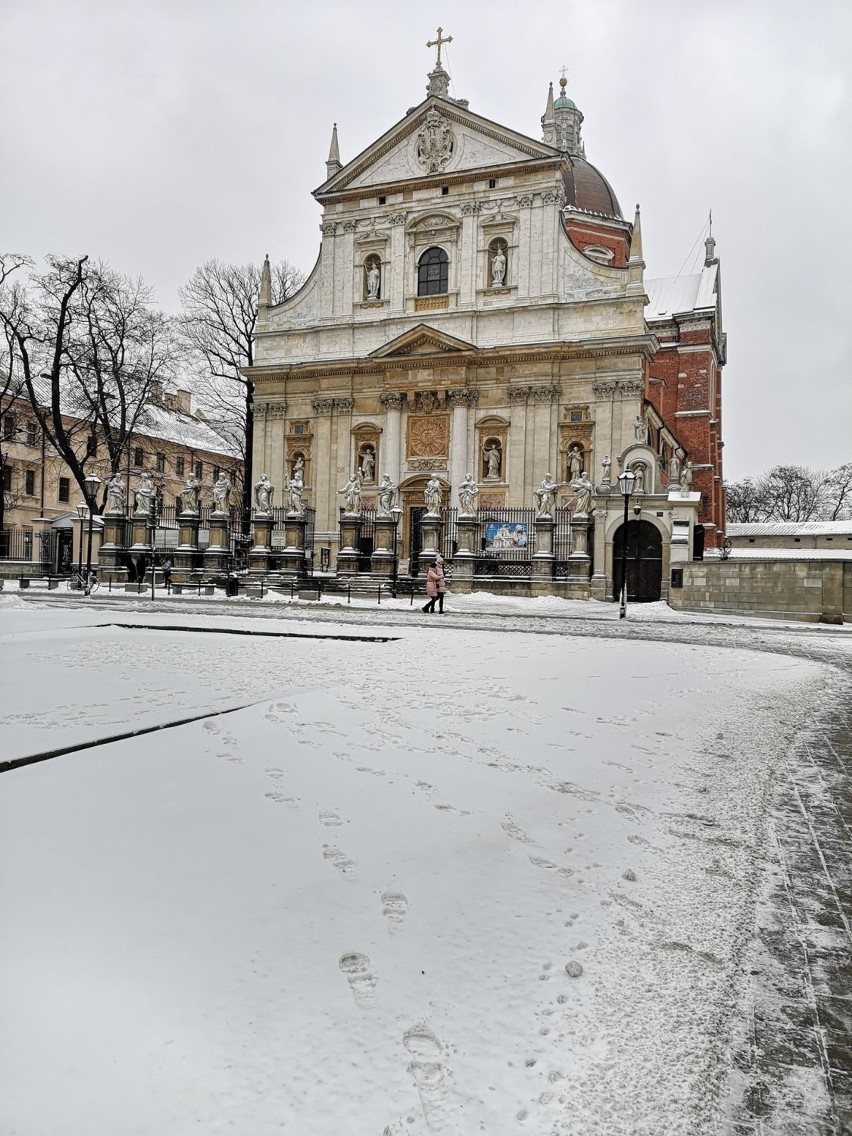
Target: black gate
<point>415,539</point>
<point>644,562</point>
<point>366,539</point>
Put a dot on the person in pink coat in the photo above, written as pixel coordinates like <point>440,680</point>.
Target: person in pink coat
<point>433,577</point>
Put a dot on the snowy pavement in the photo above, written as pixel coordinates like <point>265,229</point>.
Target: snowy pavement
<point>487,872</point>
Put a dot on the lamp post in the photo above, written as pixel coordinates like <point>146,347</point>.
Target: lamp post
<point>82,510</point>
<point>152,523</point>
<point>626,481</point>
<point>91,483</point>
<point>396,512</point>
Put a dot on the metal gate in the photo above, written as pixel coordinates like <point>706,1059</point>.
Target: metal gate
<point>644,562</point>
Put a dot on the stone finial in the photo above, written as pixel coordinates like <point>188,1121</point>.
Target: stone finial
<point>710,246</point>
<point>548,122</point>
<point>265,297</point>
<point>333,164</point>
<point>636,262</point>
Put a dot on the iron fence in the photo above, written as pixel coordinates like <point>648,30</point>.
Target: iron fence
<point>16,544</point>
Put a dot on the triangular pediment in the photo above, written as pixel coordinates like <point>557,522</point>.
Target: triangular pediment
<point>439,137</point>
<point>422,340</point>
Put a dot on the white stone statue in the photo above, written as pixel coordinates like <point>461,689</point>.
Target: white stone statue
<point>674,468</point>
<point>545,498</point>
<point>190,494</point>
<point>145,495</point>
<point>575,463</point>
<point>686,477</point>
<point>498,269</point>
<point>298,468</point>
<point>352,496</point>
<point>607,465</point>
<point>374,279</point>
<point>264,491</point>
<point>388,496</point>
<point>432,496</point>
<point>583,490</point>
<point>295,489</point>
<point>222,493</point>
<point>368,464</point>
<point>493,458</point>
<point>116,494</point>
<point>468,493</point>
<point>638,477</point>
<point>640,429</point>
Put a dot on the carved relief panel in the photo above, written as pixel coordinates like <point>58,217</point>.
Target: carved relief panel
<point>428,436</point>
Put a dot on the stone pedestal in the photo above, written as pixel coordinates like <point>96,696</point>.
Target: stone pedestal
<point>111,550</point>
<point>184,556</point>
<point>579,561</point>
<point>467,537</point>
<point>381,563</point>
<point>430,538</point>
<point>350,545</point>
<point>261,550</point>
<point>292,556</point>
<point>217,552</point>
<point>544,558</point>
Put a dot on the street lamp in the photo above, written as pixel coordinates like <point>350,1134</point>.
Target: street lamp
<point>92,482</point>
<point>626,481</point>
<point>82,511</point>
<point>396,513</point>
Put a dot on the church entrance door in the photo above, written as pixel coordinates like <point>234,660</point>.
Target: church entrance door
<point>644,562</point>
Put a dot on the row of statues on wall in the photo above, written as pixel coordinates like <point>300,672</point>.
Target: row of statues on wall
<point>145,499</point>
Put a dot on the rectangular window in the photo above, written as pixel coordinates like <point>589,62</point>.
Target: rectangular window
<point>138,456</point>
<point>179,467</point>
<point>445,189</point>
<point>298,428</point>
<point>492,183</point>
<point>64,489</point>
<point>28,544</point>
<point>10,426</point>
<point>382,200</point>
<point>31,434</point>
<point>199,470</point>
<point>161,463</point>
<point>29,482</point>
<point>7,477</point>
<point>216,472</point>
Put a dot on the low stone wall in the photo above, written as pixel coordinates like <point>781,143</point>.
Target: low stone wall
<point>819,591</point>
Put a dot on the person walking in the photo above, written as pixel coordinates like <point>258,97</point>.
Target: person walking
<point>442,583</point>
<point>432,578</point>
<point>167,573</point>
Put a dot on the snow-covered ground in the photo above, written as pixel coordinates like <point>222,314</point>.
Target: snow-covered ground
<point>431,880</point>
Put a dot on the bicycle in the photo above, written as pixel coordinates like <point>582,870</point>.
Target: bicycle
<point>77,582</point>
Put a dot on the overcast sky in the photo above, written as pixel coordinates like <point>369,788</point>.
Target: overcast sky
<point>159,134</point>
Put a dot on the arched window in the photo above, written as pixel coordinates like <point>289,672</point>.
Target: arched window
<point>433,273</point>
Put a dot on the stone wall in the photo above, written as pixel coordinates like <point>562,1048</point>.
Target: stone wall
<point>818,591</point>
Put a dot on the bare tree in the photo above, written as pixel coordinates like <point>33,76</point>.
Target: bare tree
<point>792,493</point>
<point>218,322</point>
<point>91,350</point>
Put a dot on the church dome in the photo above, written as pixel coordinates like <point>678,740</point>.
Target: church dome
<point>587,188</point>
<point>564,103</point>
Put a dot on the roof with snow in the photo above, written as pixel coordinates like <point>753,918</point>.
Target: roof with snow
<point>676,295</point>
<point>789,528</point>
<point>182,429</point>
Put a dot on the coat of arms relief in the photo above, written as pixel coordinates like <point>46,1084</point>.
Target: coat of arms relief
<point>434,143</point>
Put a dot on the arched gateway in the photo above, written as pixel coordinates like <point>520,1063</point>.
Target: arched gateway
<point>644,562</point>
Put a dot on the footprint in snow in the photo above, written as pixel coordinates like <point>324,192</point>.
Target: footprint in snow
<point>394,908</point>
<point>511,829</point>
<point>338,860</point>
<point>362,982</point>
<point>427,1067</point>
<point>330,819</point>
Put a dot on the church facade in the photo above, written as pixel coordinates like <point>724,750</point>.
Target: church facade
<point>479,313</point>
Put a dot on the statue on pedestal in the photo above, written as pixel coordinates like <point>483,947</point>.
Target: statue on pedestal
<point>583,490</point>
<point>686,478</point>
<point>432,496</point>
<point>222,493</point>
<point>640,429</point>
<point>493,458</point>
<point>607,465</point>
<point>674,468</point>
<point>116,494</point>
<point>545,497</point>
<point>498,268</point>
<point>264,491</point>
<point>388,496</point>
<point>575,463</point>
<point>374,279</point>
<point>145,494</point>
<point>351,492</point>
<point>468,494</point>
<point>190,494</point>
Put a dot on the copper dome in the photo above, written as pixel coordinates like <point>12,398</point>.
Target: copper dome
<point>587,188</point>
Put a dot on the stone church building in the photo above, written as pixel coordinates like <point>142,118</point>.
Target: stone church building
<point>479,306</point>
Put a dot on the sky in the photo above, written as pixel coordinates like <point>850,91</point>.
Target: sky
<point>159,135</point>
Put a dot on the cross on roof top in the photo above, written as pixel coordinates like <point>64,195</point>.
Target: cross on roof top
<point>437,43</point>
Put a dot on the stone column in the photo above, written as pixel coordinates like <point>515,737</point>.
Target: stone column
<point>109,570</point>
<point>349,551</point>
<point>217,553</point>
<point>579,561</point>
<point>187,550</point>
<point>381,563</point>
<point>261,550</point>
<point>391,460</point>
<point>464,561</point>
<point>430,538</point>
<point>460,401</point>
<point>292,557</point>
<point>544,558</point>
